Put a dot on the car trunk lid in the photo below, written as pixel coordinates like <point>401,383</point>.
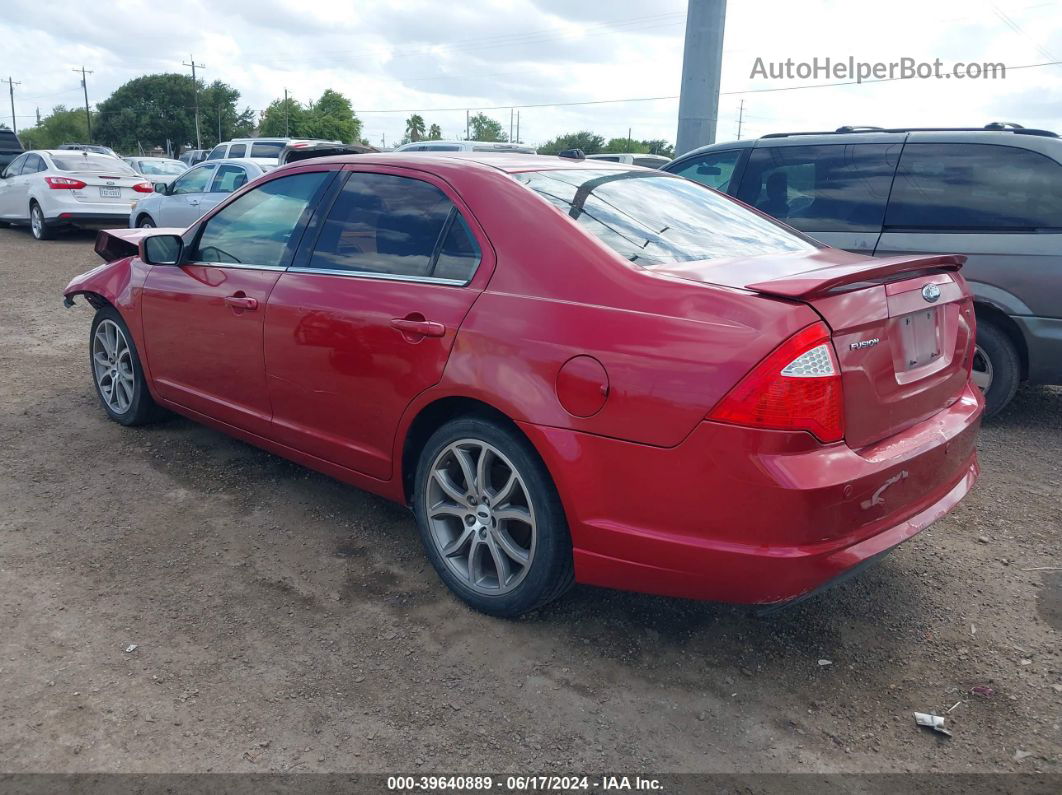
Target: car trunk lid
<point>902,327</point>
<point>106,188</point>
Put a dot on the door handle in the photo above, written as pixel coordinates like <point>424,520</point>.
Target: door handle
<point>241,302</point>
<point>419,328</point>
<point>194,202</point>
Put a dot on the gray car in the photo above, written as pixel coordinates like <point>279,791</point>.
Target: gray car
<point>187,198</point>
<point>157,169</point>
<point>992,193</point>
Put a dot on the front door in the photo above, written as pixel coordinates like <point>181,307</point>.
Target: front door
<point>203,320</point>
<point>181,207</point>
<point>365,319</point>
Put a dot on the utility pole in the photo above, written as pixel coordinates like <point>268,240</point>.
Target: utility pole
<point>628,140</point>
<point>702,61</point>
<point>195,88</point>
<point>741,117</point>
<point>285,113</point>
<point>11,89</point>
<point>38,115</point>
<point>84,87</point>
<point>510,124</point>
<point>466,121</point>
<point>518,126</point>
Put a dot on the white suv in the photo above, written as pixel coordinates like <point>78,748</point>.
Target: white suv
<point>264,151</point>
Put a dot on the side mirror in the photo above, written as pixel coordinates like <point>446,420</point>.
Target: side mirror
<point>162,187</point>
<point>706,169</point>
<point>161,249</point>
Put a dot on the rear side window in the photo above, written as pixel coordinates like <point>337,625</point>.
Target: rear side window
<point>831,188</point>
<point>656,219</point>
<point>228,179</point>
<point>385,224</point>
<point>194,181</point>
<point>713,169</point>
<point>266,149</point>
<point>34,163</point>
<point>237,150</point>
<point>443,148</point>
<point>88,161</point>
<point>217,152</point>
<point>977,187</point>
<point>257,227</point>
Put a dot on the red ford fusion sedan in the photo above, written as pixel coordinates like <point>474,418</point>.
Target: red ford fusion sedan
<point>572,371</point>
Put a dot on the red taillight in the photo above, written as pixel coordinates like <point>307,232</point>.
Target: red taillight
<point>144,187</point>
<point>796,388</point>
<point>64,183</point>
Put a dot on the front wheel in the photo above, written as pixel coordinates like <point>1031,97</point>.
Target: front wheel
<point>145,222</point>
<point>996,367</point>
<point>116,371</point>
<point>490,518</point>
<point>38,226</point>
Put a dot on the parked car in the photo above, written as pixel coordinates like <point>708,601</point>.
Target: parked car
<point>264,151</point>
<point>191,157</point>
<point>466,146</point>
<point>992,193</point>
<point>158,170</point>
<point>51,188</point>
<point>571,371</point>
<point>634,159</point>
<point>100,150</point>
<point>304,150</point>
<point>10,147</point>
<point>197,190</point>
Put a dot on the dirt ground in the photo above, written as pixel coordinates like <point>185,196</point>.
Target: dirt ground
<point>174,600</point>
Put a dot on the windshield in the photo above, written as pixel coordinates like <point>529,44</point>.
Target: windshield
<point>86,161</point>
<point>164,168</point>
<point>652,219</point>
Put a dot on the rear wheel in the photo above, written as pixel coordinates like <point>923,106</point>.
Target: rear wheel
<point>38,226</point>
<point>996,367</point>
<point>116,371</point>
<point>490,518</point>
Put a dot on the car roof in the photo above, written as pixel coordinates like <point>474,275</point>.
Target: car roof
<point>231,161</point>
<point>509,162</point>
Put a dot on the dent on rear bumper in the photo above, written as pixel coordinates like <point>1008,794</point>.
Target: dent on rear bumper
<point>747,516</point>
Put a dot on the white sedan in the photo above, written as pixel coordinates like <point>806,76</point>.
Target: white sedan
<point>52,188</point>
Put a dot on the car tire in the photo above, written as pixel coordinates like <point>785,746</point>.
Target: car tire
<point>145,222</point>
<point>116,371</point>
<point>505,564</point>
<point>997,367</point>
<point>38,226</point>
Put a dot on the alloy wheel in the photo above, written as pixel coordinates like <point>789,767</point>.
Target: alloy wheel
<point>112,365</point>
<point>37,221</point>
<point>480,516</point>
<point>982,369</point>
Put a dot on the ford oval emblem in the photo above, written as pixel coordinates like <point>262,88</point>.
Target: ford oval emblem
<point>931,292</point>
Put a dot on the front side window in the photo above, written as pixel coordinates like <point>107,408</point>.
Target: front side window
<point>87,161</point>
<point>237,150</point>
<point>976,187</point>
<point>655,219</point>
<point>714,169</point>
<point>256,228</point>
<point>194,181</point>
<point>384,224</point>
<point>217,152</point>
<point>830,188</point>
<point>228,179</point>
<point>14,168</point>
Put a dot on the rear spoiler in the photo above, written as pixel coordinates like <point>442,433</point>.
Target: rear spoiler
<point>821,281</point>
<point>116,244</point>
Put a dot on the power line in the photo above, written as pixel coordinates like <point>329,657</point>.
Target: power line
<point>195,89</point>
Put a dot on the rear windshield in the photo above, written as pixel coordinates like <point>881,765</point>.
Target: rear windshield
<point>653,219</point>
<point>86,161</point>
<point>266,149</point>
<point>162,167</point>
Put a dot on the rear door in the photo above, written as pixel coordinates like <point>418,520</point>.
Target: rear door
<point>834,192</point>
<point>365,319</point>
<point>203,320</point>
<point>182,206</point>
<point>999,205</point>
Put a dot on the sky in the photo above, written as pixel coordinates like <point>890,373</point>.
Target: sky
<point>395,57</point>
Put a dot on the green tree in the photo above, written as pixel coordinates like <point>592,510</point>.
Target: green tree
<point>330,117</point>
<point>658,146</point>
<point>283,117</point>
<point>589,142</point>
<point>435,133</point>
<point>61,127</point>
<point>218,118</point>
<point>415,127</point>
<point>623,145</point>
<point>483,128</point>
<point>150,109</point>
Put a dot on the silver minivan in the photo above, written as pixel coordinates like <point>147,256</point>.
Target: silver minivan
<point>991,193</point>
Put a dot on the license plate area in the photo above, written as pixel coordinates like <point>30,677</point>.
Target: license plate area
<point>919,337</point>
<point>111,193</point>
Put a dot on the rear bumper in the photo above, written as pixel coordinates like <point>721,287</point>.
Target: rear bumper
<point>1043,337</point>
<point>90,218</point>
<point>754,517</point>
